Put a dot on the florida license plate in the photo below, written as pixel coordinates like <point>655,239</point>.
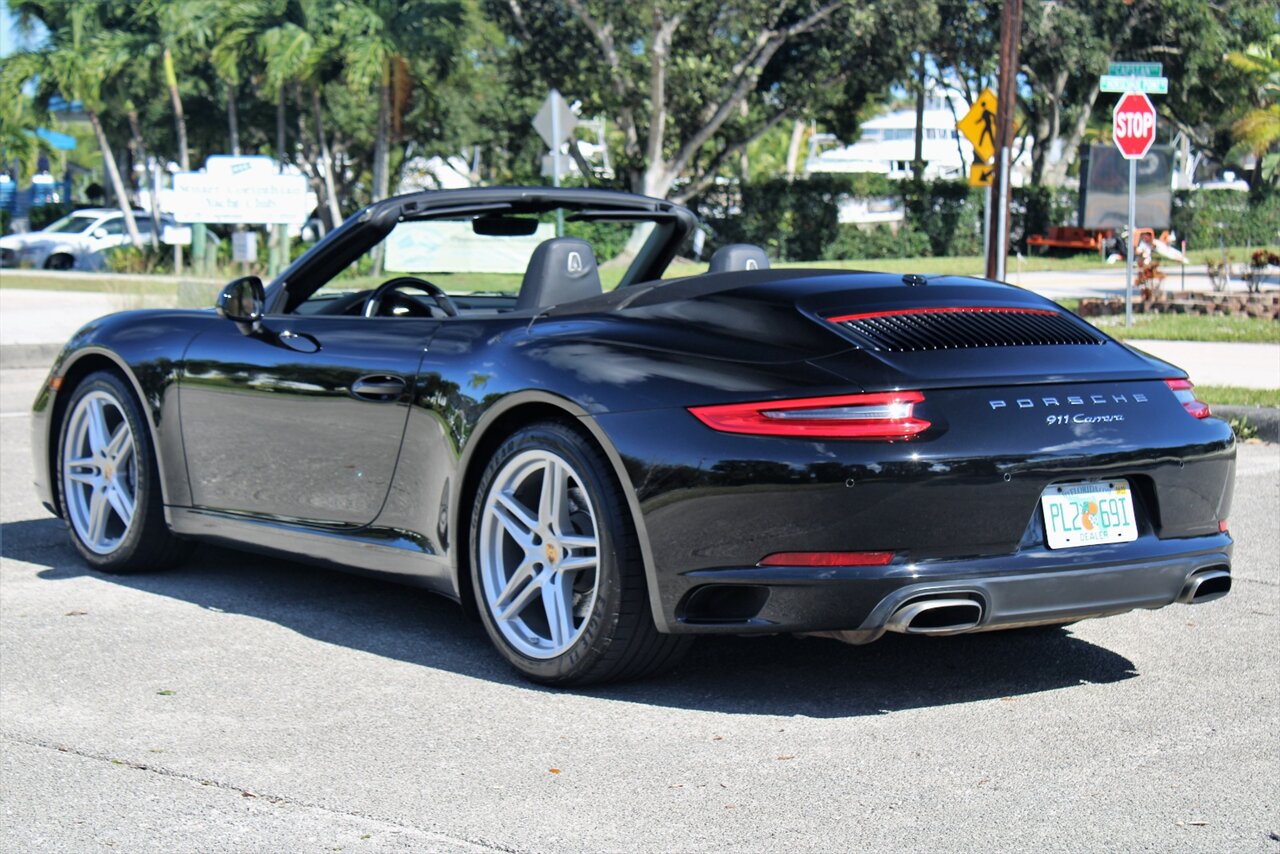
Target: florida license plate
<point>1086,514</point>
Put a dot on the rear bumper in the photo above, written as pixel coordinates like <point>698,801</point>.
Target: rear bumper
<point>1015,590</point>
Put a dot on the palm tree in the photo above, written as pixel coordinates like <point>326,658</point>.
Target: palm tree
<point>80,60</point>
<point>294,50</point>
<point>1258,130</point>
<point>377,39</point>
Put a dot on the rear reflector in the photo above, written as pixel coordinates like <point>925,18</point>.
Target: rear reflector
<point>827,559</point>
<point>885,416</point>
<point>959,309</point>
<point>1182,390</point>
<point>1222,526</point>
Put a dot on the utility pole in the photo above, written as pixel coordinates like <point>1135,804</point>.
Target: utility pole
<point>1007,100</point>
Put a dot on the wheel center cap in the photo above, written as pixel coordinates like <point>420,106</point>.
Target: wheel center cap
<point>553,554</point>
<point>108,471</point>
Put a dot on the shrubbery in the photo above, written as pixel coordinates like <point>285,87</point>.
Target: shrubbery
<point>1203,217</point>
<point>799,220</point>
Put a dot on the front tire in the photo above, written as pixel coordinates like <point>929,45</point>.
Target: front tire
<point>556,564</point>
<point>108,482</point>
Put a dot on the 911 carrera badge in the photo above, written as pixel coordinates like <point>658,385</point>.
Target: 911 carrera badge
<point>1070,400</point>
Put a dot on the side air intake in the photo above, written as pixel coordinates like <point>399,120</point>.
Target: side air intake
<point>963,327</point>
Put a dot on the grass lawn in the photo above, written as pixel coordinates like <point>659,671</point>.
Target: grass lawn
<point>1191,327</point>
<point>1229,395</point>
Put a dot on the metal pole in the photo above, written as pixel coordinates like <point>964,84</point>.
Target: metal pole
<point>555,156</point>
<point>1128,267</point>
<point>986,223</point>
<point>1002,218</point>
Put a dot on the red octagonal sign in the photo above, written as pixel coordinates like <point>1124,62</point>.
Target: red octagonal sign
<point>1133,124</point>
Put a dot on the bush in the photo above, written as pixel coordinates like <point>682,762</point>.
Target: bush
<point>854,243</point>
<point>129,259</point>
<point>1035,209</point>
<point>4,222</point>
<point>41,215</point>
<point>1203,217</point>
<point>949,212</point>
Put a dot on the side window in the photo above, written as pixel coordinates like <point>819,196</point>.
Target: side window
<point>112,226</point>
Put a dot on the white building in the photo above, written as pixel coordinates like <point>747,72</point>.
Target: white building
<point>888,142</point>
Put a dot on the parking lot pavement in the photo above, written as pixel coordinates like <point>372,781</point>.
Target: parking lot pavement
<point>246,704</point>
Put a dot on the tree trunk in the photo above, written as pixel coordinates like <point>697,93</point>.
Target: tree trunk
<point>179,118</point>
<point>282,139</point>
<point>140,147</point>
<point>326,162</point>
<point>382,141</point>
<point>1055,172</point>
<point>793,150</point>
<point>233,119</point>
<point>917,162</point>
<point>113,172</point>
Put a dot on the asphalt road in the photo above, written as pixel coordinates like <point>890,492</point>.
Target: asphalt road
<point>246,704</point>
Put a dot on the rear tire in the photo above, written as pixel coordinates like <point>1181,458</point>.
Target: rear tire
<point>108,481</point>
<point>556,565</point>
<point>60,261</point>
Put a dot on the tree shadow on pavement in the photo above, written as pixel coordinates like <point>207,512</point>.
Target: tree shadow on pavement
<point>776,675</point>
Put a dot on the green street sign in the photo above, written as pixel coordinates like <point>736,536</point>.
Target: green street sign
<point>1147,85</point>
<point>1136,69</point>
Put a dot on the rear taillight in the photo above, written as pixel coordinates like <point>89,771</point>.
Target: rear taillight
<point>827,559</point>
<point>1182,390</point>
<point>886,416</point>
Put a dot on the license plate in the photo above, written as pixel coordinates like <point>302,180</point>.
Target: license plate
<point>1086,514</point>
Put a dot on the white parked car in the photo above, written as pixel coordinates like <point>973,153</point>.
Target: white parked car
<point>75,242</point>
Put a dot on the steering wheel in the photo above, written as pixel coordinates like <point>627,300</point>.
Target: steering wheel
<point>374,303</point>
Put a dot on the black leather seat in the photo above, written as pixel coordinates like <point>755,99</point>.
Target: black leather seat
<point>738,256</point>
<point>561,270</point>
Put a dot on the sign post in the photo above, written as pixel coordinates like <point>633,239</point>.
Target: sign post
<point>1133,126</point>
<point>555,123</point>
<point>979,127</point>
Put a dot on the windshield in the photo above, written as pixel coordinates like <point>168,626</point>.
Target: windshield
<point>72,224</point>
<point>450,253</point>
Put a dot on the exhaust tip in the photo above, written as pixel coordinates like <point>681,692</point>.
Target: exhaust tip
<point>936,617</point>
<point>1206,585</point>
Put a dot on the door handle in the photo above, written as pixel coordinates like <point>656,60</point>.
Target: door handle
<point>380,388</point>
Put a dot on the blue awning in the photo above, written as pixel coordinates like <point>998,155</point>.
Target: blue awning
<point>60,141</point>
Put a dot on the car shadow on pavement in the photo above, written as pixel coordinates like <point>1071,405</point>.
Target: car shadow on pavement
<point>773,675</point>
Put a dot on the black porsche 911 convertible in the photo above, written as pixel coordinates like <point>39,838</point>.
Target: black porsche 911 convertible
<point>442,391</point>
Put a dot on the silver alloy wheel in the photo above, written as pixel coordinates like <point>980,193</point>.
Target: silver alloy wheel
<point>539,554</point>
<point>100,472</point>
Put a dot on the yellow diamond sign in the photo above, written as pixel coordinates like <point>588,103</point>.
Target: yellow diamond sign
<point>979,126</point>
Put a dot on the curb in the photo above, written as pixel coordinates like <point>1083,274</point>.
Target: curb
<point>1265,418</point>
<point>29,355</point>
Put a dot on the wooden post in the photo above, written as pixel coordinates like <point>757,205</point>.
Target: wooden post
<point>1007,99</point>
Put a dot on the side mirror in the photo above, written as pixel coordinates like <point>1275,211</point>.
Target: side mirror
<point>243,302</point>
<point>99,233</point>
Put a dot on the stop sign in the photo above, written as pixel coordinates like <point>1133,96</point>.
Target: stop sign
<point>1133,124</point>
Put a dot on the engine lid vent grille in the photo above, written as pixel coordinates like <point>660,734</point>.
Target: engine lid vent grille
<point>963,327</point>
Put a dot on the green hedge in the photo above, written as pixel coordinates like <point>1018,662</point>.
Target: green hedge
<point>1204,217</point>
<point>799,220</point>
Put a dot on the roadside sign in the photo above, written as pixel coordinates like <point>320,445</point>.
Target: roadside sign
<point>979,125</point>
<point>981,175</point>
<point>244,246</point>
<point>1133,125</point>
<point>1136,69</point>
<point>1126,83</point>
<point>555,122</point>
<point>237,190</point>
